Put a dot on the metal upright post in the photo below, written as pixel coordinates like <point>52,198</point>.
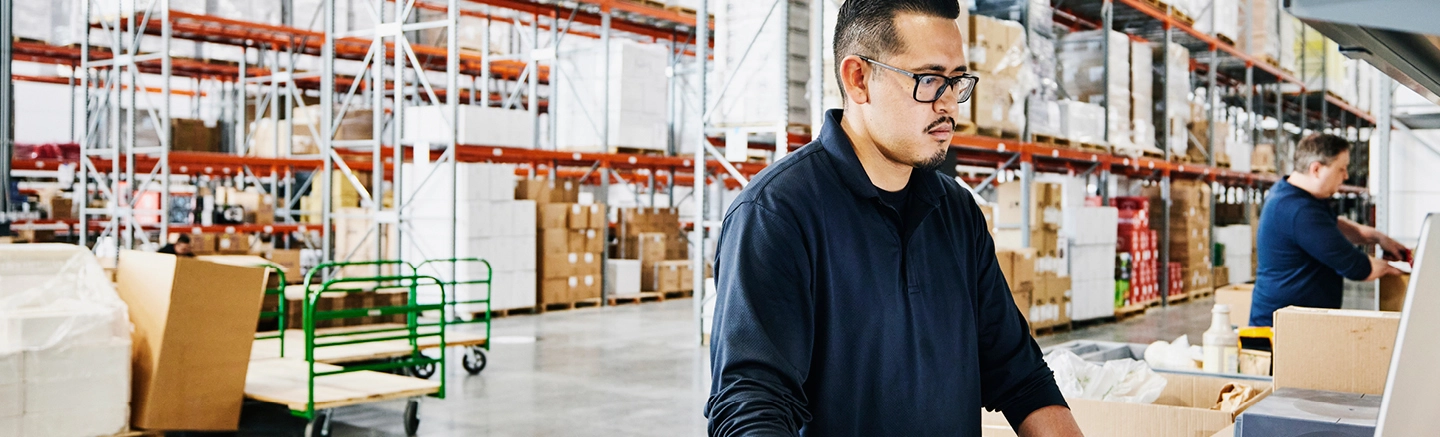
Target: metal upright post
<point>82,189</point>
<point>1305,81</point>
<point>1250,113</point>
<point>817,67</point>
<point>604,199</point>
<point>1107,12</point>
<point>1165,84</point>
<point>1384,122</point>
<point>605,14</point>
<point>1027,194</point>
<point>532,97</point>
<point>327,105</point>
<point>1279,127</point>
<point>166,140</point>
<point>697,235</point>
<point>7,110</point>
<point>452,107</point>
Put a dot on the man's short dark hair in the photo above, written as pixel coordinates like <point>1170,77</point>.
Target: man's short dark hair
<point>182,239</point>
<point>1321,148</point>
<point>867,27</point>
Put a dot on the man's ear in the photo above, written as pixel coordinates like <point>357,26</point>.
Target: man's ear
<point>853,72</point>
<point>1314,169</point>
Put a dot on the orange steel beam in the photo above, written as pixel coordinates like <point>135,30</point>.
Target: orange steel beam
<point>63,81</point>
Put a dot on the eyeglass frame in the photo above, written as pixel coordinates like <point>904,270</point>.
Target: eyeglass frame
<point>950,82</point>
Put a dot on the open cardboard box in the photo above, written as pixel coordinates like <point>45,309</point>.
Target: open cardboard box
<point>1183,410</point>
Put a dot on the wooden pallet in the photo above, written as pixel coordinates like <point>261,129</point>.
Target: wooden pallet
<point>637,151</point>
<point>1262,170</point>
<point>965,127</point>
<point>644,296</point>
<point>679,294</point>
<point>512,312</point>
<point>1129,311</point>
<point>1269,60</point>
<point>1201,293</point>
<point>995,132</point>
<point>139,433</point>
<point>284,381</point>
<point>1178,298</point>
<point>1225,39</point>
<point>561,306</point>
<point>1055,141</point>
<point>1093,147</point>
<point>1052,329</point>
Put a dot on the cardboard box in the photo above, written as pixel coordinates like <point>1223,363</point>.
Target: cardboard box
<point>1335,350</point>
<point>194,325</point>
<point>1253,362</point>
<point>554,265</point>
<point>289,262</point>
<point>557,290</point>
<point>1183,410</point>
<point>554,240</point>
<point>624,277</point>
<point>553,215</point>
<point>1392,292</point>
<point>1237,297</point>
<point>576,240</point>
<point>598,217</point>
<point>594,240</point>
<point>994,105</point>
<point>579,216</point>
<point>232,244</point>
<point>648,247</point>
<point>547,191</point>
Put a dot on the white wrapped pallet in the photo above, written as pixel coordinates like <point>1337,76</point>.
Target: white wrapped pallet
<point>769,88</point>
<point>1176,85</point>
<point>479,125</point>
<point>64,344</point>
<point>1082,122</point>
<point>1238,248</point>
<point>1218,17</point>
<point>1142,96</point>
<point>490,225</point>
<point>1083,65</point>
<point>1092,262</point>
<point>638,92</point>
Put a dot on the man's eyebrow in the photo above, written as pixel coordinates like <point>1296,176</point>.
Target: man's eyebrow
<point>937,68</point>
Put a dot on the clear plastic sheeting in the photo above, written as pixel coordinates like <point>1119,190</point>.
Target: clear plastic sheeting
<point>64,344</point>
<point>1123,380</point>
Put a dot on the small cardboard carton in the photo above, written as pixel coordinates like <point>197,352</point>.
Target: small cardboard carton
<point>1237,297</point>
<point>1182,410</point>
<point>1334,350</point>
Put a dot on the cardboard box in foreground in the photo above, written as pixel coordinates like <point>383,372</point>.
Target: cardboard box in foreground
<point>1334,350</point>
<point>194,325</point>
<point>1183,410</point>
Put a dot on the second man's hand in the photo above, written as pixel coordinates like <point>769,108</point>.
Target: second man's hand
<point>1380,267</point>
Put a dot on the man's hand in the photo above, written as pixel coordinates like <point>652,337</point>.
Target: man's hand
<point>1380,267</point>
<point>1394,251</point>
<point>1051,421</point>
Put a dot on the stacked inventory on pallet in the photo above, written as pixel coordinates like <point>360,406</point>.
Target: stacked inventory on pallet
<point>652,238</point>
<point>1043,115</point>
<point>1189,230</point>
<point>490,224</point>
<point>1083,63</point>
<point>769,89</point>
<point>1050,297</point>
<point>1136,258</point>
<point>1175,84</point>
<point>1092,263</point>
<point>1018,266</point>
<point>636,105</point>
<point>571,241</point>
<point>1237,248</point>
<point>998,56</point>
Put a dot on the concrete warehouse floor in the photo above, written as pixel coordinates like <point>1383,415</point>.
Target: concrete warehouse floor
<point>629,370</point>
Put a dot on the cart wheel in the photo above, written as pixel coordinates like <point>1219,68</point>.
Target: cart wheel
<point>423,371</point>
<point>412,416</point>
<point>319,426</point>
<point>474,360</point>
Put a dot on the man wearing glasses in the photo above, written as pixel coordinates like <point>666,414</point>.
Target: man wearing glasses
<point>858,290</point>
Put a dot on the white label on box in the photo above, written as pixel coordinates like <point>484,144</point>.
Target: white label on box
<point>589,257</point>
<point>574,258</point>
<point>589,280</point>
<point>574,281</point>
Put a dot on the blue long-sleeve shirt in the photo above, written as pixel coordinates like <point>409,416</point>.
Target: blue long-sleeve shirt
<point>1302,255</point>
<point>827,325</point>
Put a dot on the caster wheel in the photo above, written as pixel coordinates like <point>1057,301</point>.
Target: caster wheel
<point>319,426</point>
<point>412,417</point>
<point>474,360</point>
<point>423,372</point>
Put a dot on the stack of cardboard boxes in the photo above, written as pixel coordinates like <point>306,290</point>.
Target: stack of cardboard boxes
<point>1050,297</point>
<point>1018,266</point>
<point>1189,231</point>
<point>572,240</point>
<point>998,55</point>
<point>1136,259</point>
<point>652,237</point>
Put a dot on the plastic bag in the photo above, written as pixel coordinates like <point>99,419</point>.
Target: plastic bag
<point>1177,355</point>
<point>1124,380</point>
<point>56,294</point>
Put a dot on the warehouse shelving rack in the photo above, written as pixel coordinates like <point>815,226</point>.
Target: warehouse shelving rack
<point>273,79</point>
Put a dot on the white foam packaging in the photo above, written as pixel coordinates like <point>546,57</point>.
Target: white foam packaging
<point>64,344</point>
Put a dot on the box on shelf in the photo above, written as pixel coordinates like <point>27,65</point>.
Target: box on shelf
<point>548,191</point>
<point>1336,350</point>
<point>1082,76</point>
<point>1218,17</point>
<point>996,103</point>
<point>637,100</point>
<point>1142,108</point>
<point>1082,122</point>
<point>624,277</point>
<point>770,87</point>
<point>182,309</point>
<point>479,125</point>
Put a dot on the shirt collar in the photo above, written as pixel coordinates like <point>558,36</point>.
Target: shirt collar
<point>923,185</point>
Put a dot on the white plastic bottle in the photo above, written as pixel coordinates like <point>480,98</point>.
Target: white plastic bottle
<point>1222,344</point>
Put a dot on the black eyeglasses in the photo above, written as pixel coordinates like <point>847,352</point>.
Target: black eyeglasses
<point>929,87</point>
